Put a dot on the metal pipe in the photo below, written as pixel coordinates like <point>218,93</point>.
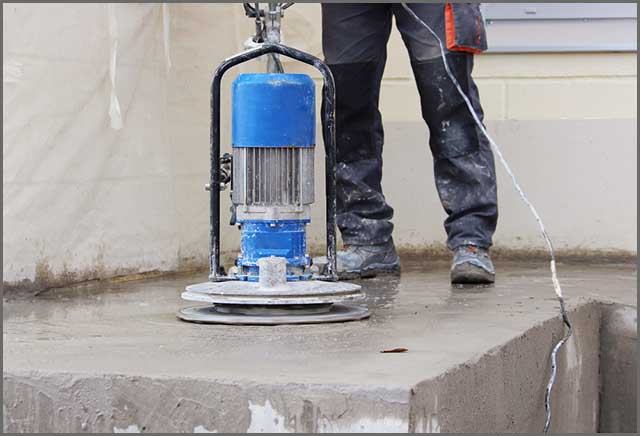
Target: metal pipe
<point>328,134</point>
<point>272,35</point>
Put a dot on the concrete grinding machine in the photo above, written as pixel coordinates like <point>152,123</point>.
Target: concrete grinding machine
<point>271,173</point>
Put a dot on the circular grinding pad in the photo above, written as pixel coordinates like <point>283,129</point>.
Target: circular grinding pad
<point>211,315</point>
<point>290,293</point>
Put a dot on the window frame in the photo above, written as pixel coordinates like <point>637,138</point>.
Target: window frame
<point>560,27</point>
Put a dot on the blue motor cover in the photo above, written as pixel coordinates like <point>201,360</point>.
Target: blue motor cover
<point>273,110</point>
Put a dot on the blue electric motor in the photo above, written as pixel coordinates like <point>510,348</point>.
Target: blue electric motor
<point>273,138</point>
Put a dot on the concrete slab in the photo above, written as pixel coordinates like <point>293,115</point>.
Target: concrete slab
<point>107,357</point>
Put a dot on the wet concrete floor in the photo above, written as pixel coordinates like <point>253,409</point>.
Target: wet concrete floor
<point>130,328</point>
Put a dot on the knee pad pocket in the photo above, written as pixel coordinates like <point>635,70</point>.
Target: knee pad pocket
<point>464,28</point>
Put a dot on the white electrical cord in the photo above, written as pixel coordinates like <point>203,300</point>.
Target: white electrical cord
<point>554,275</point>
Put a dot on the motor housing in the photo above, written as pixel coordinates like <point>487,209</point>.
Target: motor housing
<point>273,139</point>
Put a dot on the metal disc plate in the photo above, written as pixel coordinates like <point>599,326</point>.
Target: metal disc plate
<point>209,315</point>
<point>300,292</point>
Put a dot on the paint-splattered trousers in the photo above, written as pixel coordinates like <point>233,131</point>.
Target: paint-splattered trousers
<point>354,43</point>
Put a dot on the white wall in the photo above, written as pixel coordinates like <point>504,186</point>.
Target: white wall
<point>82,200</point>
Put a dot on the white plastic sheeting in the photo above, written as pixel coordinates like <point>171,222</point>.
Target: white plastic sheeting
<point>105,139</point>
<point>114,104</point>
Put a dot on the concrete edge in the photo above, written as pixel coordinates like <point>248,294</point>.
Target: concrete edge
<point>618,369</point>
<point>115,403</point>
<point>504,388</point>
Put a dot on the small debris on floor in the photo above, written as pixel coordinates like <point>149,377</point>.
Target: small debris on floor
<point>395,350</point>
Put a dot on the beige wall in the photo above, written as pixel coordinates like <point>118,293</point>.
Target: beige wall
<point>82,200</point>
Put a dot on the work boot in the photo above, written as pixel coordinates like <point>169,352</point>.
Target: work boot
<point>365,261</point>
<point>472,266</point>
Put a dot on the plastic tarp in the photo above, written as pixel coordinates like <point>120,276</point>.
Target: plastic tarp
<point>105,139</point>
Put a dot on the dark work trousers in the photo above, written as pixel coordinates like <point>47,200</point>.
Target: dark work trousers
<point>354,42</point>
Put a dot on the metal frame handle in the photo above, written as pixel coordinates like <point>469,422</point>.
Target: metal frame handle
<point>328,134</point>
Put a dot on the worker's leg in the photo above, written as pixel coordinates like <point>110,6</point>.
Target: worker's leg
<point>354,38</point>
<point>463,162</point>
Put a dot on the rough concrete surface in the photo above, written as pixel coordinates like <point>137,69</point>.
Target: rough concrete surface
<point>618,369</point>
<point>114,358</point>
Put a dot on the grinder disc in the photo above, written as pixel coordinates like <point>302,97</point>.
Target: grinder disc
<point>290,293</point>
<point>222,314</point>
<point>298,302</point>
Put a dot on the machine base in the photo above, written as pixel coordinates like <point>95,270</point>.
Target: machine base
<point>303,292</point>
<point>274,315</point>
<point>297,302</point>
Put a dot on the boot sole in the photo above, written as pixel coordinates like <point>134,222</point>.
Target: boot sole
<point>372,271</point>
<point>467,274</point>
